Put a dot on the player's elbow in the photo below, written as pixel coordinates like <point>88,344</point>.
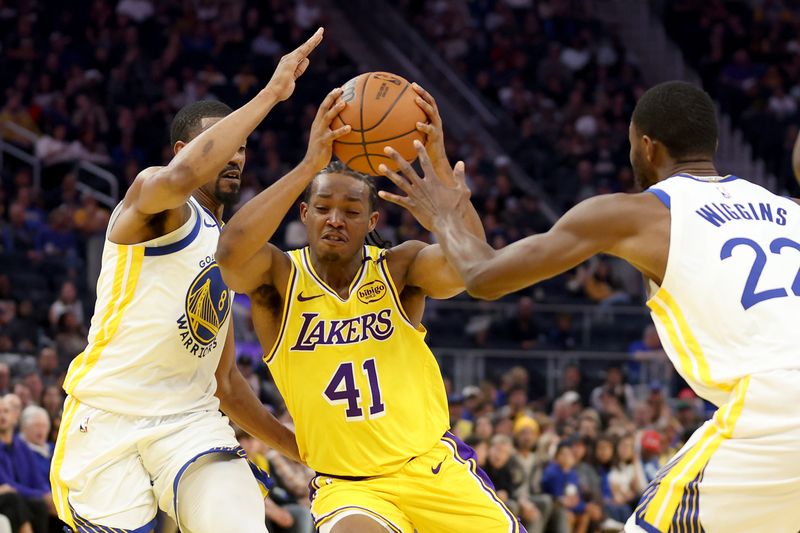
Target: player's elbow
<point>226,256</point>
<point>480,285</point>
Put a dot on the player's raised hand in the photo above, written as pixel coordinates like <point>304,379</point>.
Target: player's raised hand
<point>291,66</point>
<point>321,136</point>
<point>428,197</point>
<point>434,133</point>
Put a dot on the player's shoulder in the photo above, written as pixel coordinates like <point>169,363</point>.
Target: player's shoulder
<point>621,204</point>
<point>405,252</point>
<point>400,257</point>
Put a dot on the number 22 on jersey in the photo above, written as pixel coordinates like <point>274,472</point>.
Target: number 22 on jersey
<point>750,296</point>
<point>342,389</point>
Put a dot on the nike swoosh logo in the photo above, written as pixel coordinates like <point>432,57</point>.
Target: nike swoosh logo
<point>206,224</point>
<point>438,467</point>
<point>301,298</point>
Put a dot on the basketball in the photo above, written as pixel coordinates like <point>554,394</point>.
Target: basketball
<point>381,112</point>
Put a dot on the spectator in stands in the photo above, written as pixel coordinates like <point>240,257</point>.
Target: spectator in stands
<point>34,431</point>
<point>562,335</point>
<point>650,455</point>
<point>603,462</point>
<point>20,235</point>
<point>522,329</point>
<point>625,479</point>
<point>616,387</point>
<point>23,328</point>
<point>53,400</point>
<point>18,468</point>
<point>67,302</point>
<point>572,380</point>
<point>648,359</point>
<point>70,336</point>
<point>5,379</point>
<point>535,507</point>
<point>500,470</point>
<point>560,480</point>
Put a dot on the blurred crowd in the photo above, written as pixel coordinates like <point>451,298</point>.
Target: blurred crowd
<point>101,82</point>
<point>563,78</point>
<point>748,55</point>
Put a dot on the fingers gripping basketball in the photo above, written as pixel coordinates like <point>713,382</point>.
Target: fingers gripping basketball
<point>382,111</point>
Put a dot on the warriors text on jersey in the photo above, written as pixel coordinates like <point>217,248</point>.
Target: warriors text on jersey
<point>364,390</point>
<point>730,298</point>
<point>159,324</point>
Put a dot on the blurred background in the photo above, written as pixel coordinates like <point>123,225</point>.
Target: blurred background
<point>562,389</point>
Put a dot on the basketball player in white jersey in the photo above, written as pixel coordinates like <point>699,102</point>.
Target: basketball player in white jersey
<point>141,427</point>
<point>722,258</point>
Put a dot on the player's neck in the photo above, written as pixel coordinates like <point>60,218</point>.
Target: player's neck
<point>209,202</point>
<point>699,167</point>
<point>338,275</point>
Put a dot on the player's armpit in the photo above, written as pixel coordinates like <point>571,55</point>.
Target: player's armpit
<point>599,224</point>
<point>262,268</point>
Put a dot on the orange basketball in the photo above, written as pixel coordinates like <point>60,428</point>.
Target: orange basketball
<point>382,112</point>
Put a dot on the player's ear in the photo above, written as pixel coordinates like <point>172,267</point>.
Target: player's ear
<point>373,220</point>
<point>178,147</point>
<point>649,148</point>
<point>303,212</point>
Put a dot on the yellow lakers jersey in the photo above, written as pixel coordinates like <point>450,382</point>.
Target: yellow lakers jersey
<point>364,390</point>
<point>159,325</point>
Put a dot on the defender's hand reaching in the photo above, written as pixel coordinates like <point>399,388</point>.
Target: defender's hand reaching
<point>430,198</point>
<point>291,66</point>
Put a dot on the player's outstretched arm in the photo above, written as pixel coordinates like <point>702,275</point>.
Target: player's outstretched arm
<point>238,401</point>
<point>159,189</point>
<point>601,224</point>
<point>243,253</point>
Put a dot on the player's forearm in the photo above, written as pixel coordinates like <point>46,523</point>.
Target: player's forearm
<point>240,404</point>
<point>258,220</point>
<point>464,250</point>
<point>472,222</point>
<point>201,160</point>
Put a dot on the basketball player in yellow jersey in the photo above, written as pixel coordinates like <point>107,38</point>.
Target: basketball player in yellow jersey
<point>339,322</point>
<point>722,257</point>
<point>141,426</point>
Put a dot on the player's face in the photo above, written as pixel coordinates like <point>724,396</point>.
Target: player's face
<point>227,187</point>
<point>643,171</point>
<point>337,217</point>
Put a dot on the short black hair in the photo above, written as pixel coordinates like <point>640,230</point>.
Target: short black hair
<point>337,167</point>
<point>186,124</point>
<point>680,116</point>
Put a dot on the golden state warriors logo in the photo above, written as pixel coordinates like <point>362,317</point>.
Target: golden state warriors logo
<point>371,292</point>
<point>207,306</point>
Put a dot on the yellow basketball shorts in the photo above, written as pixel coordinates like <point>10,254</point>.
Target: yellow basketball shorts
<point>739,472</point>
<point>440,491</point>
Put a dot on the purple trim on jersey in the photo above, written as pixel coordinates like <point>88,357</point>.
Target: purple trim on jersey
<point>237,451</point>
<point>353,284</point>
<point>661,195</point>
<point>466,455</point>
<point>395,296</point>
<point>85,526</point>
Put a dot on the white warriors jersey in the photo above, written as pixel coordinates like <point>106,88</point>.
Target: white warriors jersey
<point>159,324</point>
<point>730,299</point>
